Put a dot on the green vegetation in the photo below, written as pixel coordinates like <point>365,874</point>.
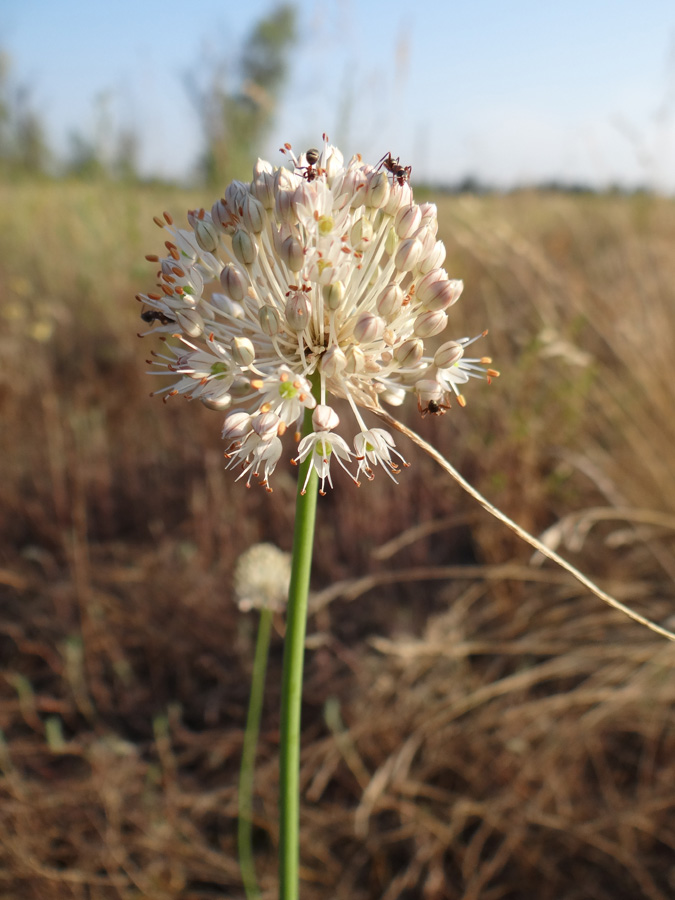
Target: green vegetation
<point>493,731</point>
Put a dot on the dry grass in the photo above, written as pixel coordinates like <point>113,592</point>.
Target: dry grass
<point>474,728</point>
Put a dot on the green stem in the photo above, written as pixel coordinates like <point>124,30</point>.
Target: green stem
<point>246,775</point>
<point>291,687</point>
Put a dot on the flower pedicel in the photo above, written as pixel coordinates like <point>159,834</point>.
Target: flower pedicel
<point>327,275</point>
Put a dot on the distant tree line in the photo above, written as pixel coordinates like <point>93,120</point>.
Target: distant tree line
<point>235,106</point>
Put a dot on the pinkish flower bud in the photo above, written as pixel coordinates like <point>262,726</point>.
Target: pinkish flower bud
<point>262,186</point>
<point>448,354</point>
<point>266,425</point>
<point>253,214</point>
<point>368,328</point>
<point>442,294</point>
<point>237,426</point>
<point>298,311</point>
<point>434,260</point>
<point>333,361</point>
<point>390,300</point>
<point>233,282</point>
<point>292,253</point>
<point>409,353</point>
<point>408,255</point>
<point>423,288</point>
<point>407,221</point>
<point>377,189</point>
<point>324,418</point>
<point>356,360</point>
<point>427,324</point>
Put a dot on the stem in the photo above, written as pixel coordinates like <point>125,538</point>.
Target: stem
<point>524,535</point>
<point>246,775</point>
<point>291,687</point>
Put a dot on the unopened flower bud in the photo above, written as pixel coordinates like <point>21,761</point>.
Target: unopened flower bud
<point>408,255</point>
<point>356,359</point>
<point>400,195</point>
<point>223,303</point>
<point>283,206</point>
<point>206,233</point>
<point>324,418</point>
<point>243,351</point>
<point>266,425</point>
<point>427,324</point>
<point>390,300</point>
<point>409,353</point>
<point>298,311</point>
<point>443,294</point>
<point>292,253</point>
<point>219,403</point>
<point>333,361</point>
<point>244,247</point>
<point>333,295</point>
<point>262,186</point>
<point>233,282</point>
<point>430,215</point>
<point>377,189</point>
<point>368,328</point>
<point>253,214</point>
<point>434,260</point>
<point>270,320</point>
<point>448,354</point>
<point>235,194</point>
<point>424,287</point>
<point>407,221</point>
<point>223,217</point>
<point>428,389</point>
<point>394,396</point>
<point>191,323</point>
<point>237,426</point>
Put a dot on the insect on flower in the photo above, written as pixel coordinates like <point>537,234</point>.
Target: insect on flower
<point>155,315</point>
<point>433,408</point>
<point>399,174</point>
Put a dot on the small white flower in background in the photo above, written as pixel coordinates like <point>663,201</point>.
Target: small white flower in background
<point>327,274</point>
<point>261,578</point>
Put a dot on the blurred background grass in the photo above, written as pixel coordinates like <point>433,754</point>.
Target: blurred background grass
<point>472,727</point>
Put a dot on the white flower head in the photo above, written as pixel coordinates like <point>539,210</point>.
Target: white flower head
<point>314,282</point>
<point>261,578</point>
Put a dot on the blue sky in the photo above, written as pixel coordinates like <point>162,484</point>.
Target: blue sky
<point>510,92</point>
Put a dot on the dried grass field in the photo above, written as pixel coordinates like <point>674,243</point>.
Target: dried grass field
<point>475,727</point>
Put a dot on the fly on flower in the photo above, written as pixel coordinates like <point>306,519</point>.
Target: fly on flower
<point>306,285</point>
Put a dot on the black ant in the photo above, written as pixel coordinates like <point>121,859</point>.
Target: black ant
<point>312,157</point>
<point>433,408</point>
<point>311,171</point>
<point>154,315</point>
<point>399,174</point>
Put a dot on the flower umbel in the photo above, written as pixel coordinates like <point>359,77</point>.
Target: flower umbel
<point>327,273</point>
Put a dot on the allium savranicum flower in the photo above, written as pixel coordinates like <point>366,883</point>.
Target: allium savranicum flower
<point>327,275</point>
